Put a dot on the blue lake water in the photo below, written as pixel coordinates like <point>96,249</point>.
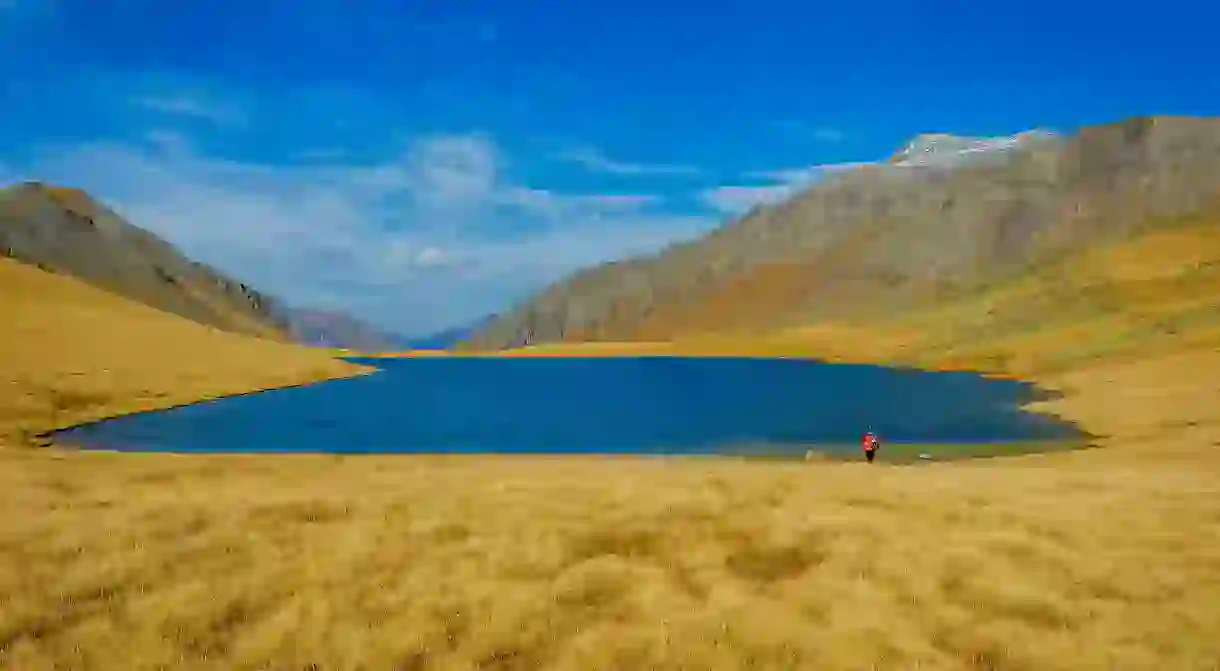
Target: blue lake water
<point>591,405</point>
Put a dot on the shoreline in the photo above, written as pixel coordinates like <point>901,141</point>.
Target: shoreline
<point>906,452</point>
<point>48,438</point>
<point>53,439</point>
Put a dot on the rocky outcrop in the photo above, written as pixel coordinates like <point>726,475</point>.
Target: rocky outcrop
<point>941,215</point>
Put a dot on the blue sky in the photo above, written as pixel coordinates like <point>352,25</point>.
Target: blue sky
<point>422,163</point>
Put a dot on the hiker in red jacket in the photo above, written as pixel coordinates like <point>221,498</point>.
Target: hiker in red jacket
<point>870,445</point>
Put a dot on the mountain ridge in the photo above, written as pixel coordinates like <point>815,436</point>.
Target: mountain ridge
<point>881,237</point>
<point>67,231</point>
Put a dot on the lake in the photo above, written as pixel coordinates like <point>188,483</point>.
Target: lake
<point>664,405</point>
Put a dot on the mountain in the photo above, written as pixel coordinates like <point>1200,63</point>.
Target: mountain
<point>68,232</point>
<point>450,337</point>
<point>326,328</point>
<point>878,239</point>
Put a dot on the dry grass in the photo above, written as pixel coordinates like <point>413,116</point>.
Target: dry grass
<point>1105,559</point>
<point>70,353</point>
<point>110,561</point>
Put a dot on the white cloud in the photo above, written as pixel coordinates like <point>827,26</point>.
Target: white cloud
<point>452,169</point>
<point>593,159</point>
<point>735,200</point>
<point>433,236</point>
<point>778,186</point>
<point>800,178</point>
<point>195,105</point>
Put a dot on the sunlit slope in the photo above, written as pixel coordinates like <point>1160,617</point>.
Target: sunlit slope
<point>879,241</point>
<point>1152,293</point>
<point>70,352</point>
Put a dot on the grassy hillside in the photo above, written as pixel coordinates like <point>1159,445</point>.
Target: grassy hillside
<point>70,352</point>
<point>1152,292</point>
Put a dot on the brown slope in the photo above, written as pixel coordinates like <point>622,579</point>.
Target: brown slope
<point>68,232</point>
<point>877,238</point>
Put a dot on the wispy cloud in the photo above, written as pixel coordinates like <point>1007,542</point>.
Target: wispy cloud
<point>801,177</point>
<point>776,186</point>
<point>735,200</point>
<point>594,160</point>
<point>194,105</point>
<point>434,235</point>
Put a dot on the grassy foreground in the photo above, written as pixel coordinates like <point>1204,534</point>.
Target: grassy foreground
<point>1103,559</point>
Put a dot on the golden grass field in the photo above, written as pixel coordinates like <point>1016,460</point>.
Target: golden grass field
<point>1100,559</point>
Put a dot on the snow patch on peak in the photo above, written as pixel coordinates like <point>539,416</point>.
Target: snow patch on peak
<point>944,149</point>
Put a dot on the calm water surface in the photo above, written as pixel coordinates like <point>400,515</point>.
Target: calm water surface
<point>555,405</point>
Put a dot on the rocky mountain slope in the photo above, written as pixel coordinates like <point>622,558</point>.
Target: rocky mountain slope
<point>885,237</point>
<point>68,232</point>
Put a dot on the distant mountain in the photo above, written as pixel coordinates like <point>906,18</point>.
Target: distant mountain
<point>450,337</point>
<point>324,328</point>
<point>67,231</point>
<point>878,237</point>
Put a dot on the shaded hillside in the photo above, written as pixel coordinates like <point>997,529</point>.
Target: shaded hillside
<point>68,232</point>
<point>325,328</point>
<point>871,241</point>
